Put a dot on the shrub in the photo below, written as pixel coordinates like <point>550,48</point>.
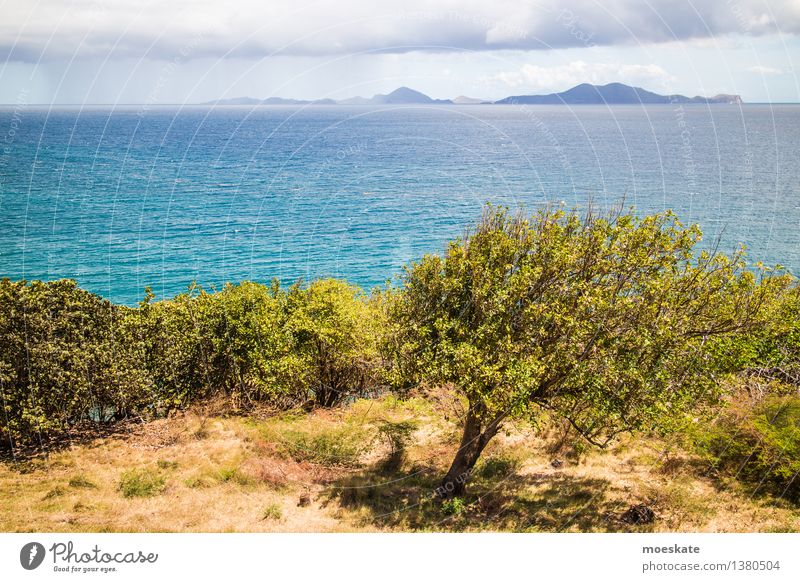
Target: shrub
<point>81,482</point>
<point>65,357</point>
<point>342,445</point>
<point>250,343</point>
<point>231,474</point>
<point>273,511</point>
<point>769,350</point>
<point>397,435</point>
<point>68,356</point>
<point>232,342</point>
<point>199,482</point>
<point>53,493</point>
<point>334,347</point>
<point>173,350</point>
<point>756,443</point>
<point>141,483</point>
<point>498,466</point>
<point>454,506</point>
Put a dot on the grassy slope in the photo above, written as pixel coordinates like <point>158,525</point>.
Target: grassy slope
<point>328,472</point>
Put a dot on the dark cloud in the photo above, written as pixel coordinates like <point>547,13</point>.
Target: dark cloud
<point>53,29</point>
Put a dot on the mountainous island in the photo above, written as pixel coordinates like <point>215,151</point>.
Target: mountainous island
<point>583,94</point>
<point>614,94</point>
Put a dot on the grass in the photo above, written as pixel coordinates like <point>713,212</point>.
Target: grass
<point>232,474</point>
<point>81,482</point>
<point>322,442</point>
<point>273,511</point>
<point>453,506</point>
<point>54,492</point>
<point>329,471</point>
<point>498,466</point>
<point>141,483</point>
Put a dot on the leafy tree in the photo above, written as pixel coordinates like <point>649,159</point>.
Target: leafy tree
<point>599,319</point>
<point>249,342</point>
<point>334,331</point>
<point>232,342</point>
<point>172,349</point>
<point>65,357</point>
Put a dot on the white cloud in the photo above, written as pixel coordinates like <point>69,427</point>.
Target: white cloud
<point>761,70</point>
<point>558,78</point>
<point>52,29</point>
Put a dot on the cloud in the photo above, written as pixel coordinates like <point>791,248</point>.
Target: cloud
<point>538,78</point>
<point>57,29</point>
<point>764,70</point>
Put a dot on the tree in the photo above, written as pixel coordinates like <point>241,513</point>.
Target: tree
<point>599,319</point>
<point>231,342</point>
<point>334,331</point>
<point>65,358</point>
<point>245,324</point>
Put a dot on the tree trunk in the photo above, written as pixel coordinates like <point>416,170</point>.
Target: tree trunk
<point>473,441</point>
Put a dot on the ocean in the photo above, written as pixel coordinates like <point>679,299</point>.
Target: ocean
<point>127,197</point>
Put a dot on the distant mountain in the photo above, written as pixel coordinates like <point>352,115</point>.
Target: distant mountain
<point>583,94</point>
<point>355,101</point>
<point>724,98</point>
<point>462,100</point>
<point>282,101</point>
<point>612,94</point>
<point>269,101</point>
<point>400,96</point>
<point>403,96</point>
<point>234,101</point>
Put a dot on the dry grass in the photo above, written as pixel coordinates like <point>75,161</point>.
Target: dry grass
<point>240,474</point>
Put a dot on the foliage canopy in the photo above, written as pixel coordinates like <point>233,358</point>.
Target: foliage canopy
<point>601,319</point>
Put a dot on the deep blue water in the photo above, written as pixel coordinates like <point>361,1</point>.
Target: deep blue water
<point>124,198</point>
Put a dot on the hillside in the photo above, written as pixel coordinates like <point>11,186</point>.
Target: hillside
<point>583,94</point>
<point>334,471</point>
<point>613,94</point>
<point>486,393</point>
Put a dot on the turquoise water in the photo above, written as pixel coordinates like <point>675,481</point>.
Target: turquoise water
<point>124,198</point>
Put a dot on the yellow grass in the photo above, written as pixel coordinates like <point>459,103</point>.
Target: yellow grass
<point>245,474</point>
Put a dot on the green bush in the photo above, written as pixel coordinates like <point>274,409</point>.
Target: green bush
<point>335,348</point>
<point>231,474</point>
<point>252,342</point>
<point>81,482</point>
<point>232,342</point>
<point>455,506</point>
<point>328,446</point>
<point>141,483</point>
<point>66,356</point>
<point>498,466</point>
<point>758,444</point>
<point>272,511</point>
<point>770,349</point>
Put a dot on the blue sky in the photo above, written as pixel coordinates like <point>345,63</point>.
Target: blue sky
<point>125,51</point>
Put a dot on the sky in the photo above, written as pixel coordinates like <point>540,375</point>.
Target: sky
<point>191,51</point>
